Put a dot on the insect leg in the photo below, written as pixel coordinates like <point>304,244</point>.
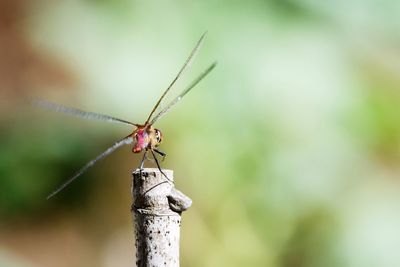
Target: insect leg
<point>143,159</point>
<point>149,159</point>
<point>160,153</point>
<point>158,166</point>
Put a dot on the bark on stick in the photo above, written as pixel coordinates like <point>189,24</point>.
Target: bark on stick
<point>156,209</point>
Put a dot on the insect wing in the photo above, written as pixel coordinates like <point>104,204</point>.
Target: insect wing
<point>125,141</point>
<point>77,112</point>
<point>184,92</point>
<point>185,66</point>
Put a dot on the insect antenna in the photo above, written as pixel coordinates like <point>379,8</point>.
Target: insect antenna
<point>77,112</point>
<point>181,71</point>
<point>125,141</point>
<point>184,92</point>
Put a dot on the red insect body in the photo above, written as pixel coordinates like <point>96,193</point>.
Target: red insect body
<point>142,140</point>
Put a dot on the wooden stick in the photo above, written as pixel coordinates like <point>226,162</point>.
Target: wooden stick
<point>156,210</point>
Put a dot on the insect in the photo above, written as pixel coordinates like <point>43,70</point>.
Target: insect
<point>144,137</point>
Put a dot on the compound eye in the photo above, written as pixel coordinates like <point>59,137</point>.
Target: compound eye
<point>158,136</point>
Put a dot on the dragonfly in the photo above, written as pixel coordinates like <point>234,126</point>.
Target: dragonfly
<point>144,137</point>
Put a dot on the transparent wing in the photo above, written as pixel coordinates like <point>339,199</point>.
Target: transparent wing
<point>77,112</point>
<point>125,141</point>
<point>184,92</point>
<point>184,67</point>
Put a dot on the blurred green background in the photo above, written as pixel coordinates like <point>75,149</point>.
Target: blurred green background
<point>290,148</point>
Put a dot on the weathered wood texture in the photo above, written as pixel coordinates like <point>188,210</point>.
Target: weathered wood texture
<point>156,209</point>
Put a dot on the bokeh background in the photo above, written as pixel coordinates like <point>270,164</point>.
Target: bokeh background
<point>290,148</point>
